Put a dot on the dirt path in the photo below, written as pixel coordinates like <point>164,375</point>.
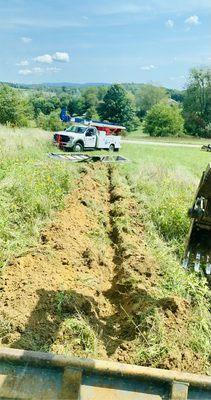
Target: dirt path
<point>158,143</point>
<point>90,287</point>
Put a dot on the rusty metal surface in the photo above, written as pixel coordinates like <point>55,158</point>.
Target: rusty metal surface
<point>28,383</point>
<point>107,367</point>
<point>179,391</point>
<point>35,375</point>
<point>117,388</point>
<point>71,384</point>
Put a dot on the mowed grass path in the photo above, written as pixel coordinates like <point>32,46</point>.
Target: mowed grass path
<point>187,139</point>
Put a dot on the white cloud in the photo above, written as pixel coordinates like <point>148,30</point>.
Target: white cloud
<point>53,69</point>
<point>170,23</point>
<point>120,7</point>
<point>37,70</point>
<point>32,71</point>
<point>48,59</point>
<point>192,20</point>
<point>149,7</point>
<point>61,56</point>
<point>147,67</point>
<point>181,6</point>
<point>45,59</point>
<point>25,72</point>
<point>23,63</point>
<point>26,39</point>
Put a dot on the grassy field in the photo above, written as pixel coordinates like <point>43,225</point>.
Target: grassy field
<point>31,188</point>
<point>163,182</point>
<point>186,139</point>
<point>166,180</point>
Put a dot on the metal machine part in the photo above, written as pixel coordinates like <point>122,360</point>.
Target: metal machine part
<point>35,375</point>
<point>198,247</point>
<point>72,157</point>
<point>206,147</point>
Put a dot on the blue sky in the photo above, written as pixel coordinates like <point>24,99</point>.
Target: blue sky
<point>155,41</point>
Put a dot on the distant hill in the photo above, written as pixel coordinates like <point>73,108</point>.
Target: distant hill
<point>76,88</point>
<point>73,84</point>
<point>55,84</point>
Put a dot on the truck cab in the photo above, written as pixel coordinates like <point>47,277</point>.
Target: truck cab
<point>80,137</point>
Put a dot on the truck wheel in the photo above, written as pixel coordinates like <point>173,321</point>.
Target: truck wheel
<point>78,147</point>
<point>116,149</point>
<point>111,147</point>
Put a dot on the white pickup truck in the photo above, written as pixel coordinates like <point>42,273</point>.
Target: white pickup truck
<point>80,137</point>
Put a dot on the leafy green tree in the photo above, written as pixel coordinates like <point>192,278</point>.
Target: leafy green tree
<point>50,122</point>
<point>177,95</point>
<point>91,113</point>
<point>101,92</point>
<point>14,107</point>
<point>164,120</point>
<point>197,102</point>
<point>117,107</point>
<point>76,106</point>
<point>147,97</point>
<point>63,100</point>
<point>44,104</point>
<point>90,97</point>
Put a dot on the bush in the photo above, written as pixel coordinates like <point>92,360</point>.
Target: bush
<point>164,120</point>
<point>14,108</point>
<point>207,131</point>
<point>44,104</point>
<point>50,122</point>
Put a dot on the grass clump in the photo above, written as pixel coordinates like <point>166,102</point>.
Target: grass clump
<point>154,347</point>
<point>5,327</point>
<point>81,333</point>
<point>76,334</point>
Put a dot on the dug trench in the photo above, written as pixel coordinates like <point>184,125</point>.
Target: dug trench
<point>91,288</point>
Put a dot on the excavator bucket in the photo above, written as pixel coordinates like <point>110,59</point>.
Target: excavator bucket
<point>198,248</point>
<point>45,376</point>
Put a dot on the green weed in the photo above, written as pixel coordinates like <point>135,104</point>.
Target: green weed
<point>83,334</point>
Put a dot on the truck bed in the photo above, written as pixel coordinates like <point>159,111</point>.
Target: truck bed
<point>35,375</point>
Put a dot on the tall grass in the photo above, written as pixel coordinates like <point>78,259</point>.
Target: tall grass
<point>164,181</point>
<point>32,186</point>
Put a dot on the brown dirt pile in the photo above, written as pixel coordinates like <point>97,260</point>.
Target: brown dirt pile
<point>90,287</point>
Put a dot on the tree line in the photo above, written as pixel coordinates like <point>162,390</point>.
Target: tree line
<point>161,112</point>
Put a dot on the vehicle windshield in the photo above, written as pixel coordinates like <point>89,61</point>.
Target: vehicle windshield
<point>76,129</point>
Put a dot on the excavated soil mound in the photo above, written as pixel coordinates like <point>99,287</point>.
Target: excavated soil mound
<point>90,287</point>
